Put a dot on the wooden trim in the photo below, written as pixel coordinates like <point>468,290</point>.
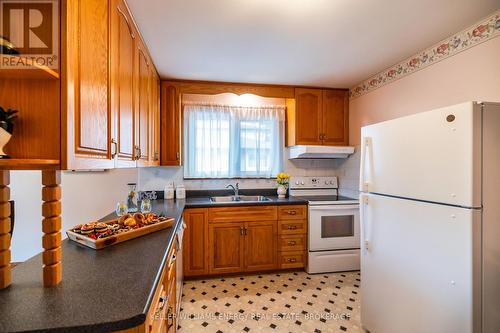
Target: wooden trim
<point>5,268</point>
<point>51,240</point>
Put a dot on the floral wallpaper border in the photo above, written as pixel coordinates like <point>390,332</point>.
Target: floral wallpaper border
<point>474,35</point>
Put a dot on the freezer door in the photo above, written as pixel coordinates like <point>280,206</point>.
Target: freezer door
<point>433,156</point>
<point>418,266</point>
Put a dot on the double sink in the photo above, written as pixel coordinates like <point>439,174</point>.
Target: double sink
<point>240,198</point>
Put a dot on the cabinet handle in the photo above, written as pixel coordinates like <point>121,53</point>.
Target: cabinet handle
<point>172,260</point>
<point>242,231</point>
<point>292,243</point>
<point>170,318</point>
<point>157,314</point>
<point>292,227</point>
<point>156,156</point>
<point>136,153</point>
<point>140,153</point>
<point>114,148</point>
<point>291,212</point>
<point>177,155</point>
<point>291,260</point>
<point>246,231</point>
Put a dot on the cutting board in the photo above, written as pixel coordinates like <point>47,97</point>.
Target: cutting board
<point>101,243</point>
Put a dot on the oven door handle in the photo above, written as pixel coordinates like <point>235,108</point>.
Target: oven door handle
<point>335,207</point>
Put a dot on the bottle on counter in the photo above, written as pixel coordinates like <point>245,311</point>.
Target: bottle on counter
<point>169,191</point>
<point>132,198</point>
<point>180,191</point>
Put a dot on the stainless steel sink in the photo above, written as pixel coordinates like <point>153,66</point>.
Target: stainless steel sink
<point>245,198</point>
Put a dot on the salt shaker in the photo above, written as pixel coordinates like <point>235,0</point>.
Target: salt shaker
<point>180,192</point>
<point>169,191</point>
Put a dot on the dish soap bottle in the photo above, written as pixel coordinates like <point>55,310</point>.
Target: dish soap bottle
<point>132,198</point>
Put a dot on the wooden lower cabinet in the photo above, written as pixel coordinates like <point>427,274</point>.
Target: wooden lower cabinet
<point>195,242</point>
<point>260,245</point>
<point>226,247</point>
<point>236,239</point>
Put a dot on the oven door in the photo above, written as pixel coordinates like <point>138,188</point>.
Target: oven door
<point>333,227</point>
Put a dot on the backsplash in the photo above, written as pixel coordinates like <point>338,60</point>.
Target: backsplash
<point>157,178</point>
<point>347,171</point>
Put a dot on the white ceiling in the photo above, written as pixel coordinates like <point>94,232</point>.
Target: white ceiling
<point>331,43</point>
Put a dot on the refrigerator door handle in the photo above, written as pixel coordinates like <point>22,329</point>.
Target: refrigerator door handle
<point>362,216</point>
<point>366,145</point>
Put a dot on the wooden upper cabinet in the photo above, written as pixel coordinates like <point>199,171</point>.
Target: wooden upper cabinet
<point>335,117</point>
<point>123,39</point>
<point>261,245</point>
<point>170,124</point>
<point>226,249</point>
<point>85,91</point>
<point>308,117</point>
<point>109,99</point>
<point>155,117</point>
<point>143,115</point>
<point>195,242</point>
<point>318,117</point>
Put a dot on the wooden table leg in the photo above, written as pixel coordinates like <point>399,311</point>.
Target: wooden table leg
<point>5,270</point>
<point>51,227</point>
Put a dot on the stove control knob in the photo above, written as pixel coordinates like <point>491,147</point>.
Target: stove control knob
<point>332,182</point>
<point>326,182</point>
<point>302,183</point>
<point>297,182</point>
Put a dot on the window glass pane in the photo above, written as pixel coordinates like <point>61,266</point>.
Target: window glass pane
<point>224,141</point>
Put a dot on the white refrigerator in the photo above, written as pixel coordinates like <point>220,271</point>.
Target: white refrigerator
<point>430,222</point>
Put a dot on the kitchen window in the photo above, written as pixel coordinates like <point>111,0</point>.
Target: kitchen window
<point>228,141</point>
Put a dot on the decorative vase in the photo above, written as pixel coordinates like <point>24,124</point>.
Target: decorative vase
<point>281,191</point>
<point>4,139</point>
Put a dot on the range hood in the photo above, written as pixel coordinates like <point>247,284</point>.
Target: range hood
<point>320,152</point>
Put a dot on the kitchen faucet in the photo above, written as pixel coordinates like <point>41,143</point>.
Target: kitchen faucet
<point>236,189</point>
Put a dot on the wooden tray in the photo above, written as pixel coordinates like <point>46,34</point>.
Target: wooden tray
<point>101,243</point>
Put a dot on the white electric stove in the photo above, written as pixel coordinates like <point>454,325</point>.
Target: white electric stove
<point>333,228</point>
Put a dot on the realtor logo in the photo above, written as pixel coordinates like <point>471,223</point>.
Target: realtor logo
<point>29,28</point>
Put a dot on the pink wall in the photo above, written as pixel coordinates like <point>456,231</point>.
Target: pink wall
<point>473,74</point>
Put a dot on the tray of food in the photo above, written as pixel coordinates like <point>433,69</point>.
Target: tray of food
<point>98,235</point>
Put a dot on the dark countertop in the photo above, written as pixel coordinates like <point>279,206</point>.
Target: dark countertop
<point>101,291</point>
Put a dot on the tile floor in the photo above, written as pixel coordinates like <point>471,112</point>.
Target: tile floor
<point>280,302</point>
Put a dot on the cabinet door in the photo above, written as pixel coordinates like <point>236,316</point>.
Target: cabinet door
<point>143,91</point>
<point>170,125</point>
<point>155,118</point>
<point>85,50</point>
<point>335,117</point>
<point>261,245</point>
<point>122,84</point>
<point>195,242</point>
<point>308,103</point>
<point>226,247</point>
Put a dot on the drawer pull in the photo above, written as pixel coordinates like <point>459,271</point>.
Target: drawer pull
<point>291,212</point>
<point>292,227</point>
<point>292,242</point>
<point>291,259</point>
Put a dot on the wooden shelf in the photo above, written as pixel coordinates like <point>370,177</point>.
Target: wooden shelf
<point>31,71</point>
<point>28,164</point>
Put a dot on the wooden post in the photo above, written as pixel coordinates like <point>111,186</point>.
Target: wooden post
<point>5,269</point>
<point>51,227</point>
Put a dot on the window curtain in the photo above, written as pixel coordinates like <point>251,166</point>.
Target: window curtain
<point>225,141</point>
